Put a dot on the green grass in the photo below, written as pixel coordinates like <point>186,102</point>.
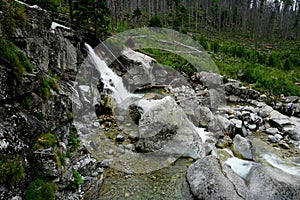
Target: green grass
<point>11,56</point>
<point>44,90</point>
<point>11,172</point>
<point>274,72</point>
<point>40,189</point>
<point>44,141</point>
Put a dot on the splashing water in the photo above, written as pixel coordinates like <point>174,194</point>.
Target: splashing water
<point>110,80</point>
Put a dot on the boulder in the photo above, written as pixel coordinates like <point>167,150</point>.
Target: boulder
<point>267,183</point>
<point>294,133</point>
<point>243,148</point>
<point>164,126</point>
<point>272,131</point>
<point>208,179</point>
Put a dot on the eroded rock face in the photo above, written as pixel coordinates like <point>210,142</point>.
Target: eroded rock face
<point>266,183</point>
<point>207,180</point>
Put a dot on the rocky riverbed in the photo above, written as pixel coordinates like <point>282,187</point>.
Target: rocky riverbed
<point>206,138</point>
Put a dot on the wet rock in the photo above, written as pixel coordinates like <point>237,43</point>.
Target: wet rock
<point>272,131</point>
<point>243,148</point>
<point>267,183</point>
<point>207,181</point>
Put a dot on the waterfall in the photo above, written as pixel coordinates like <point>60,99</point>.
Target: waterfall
<point>110,80</point>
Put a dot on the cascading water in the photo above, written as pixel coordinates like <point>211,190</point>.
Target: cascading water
<point>110,80</point>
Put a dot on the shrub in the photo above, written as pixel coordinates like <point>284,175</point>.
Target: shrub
<point>40,190</point>
<point>73,141</point>
<point>77,180</point>
<point>46,140</point>
<point>155,21</point>
<point>11,172</point>
<point>14,16</point>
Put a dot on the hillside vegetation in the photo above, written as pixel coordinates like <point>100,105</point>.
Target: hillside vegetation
<point>257,43</point>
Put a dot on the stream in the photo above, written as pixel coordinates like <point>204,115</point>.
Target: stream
<point>153,175</point>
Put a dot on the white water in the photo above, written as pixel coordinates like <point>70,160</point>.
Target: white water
<point>54,25</point>
<point>282,164</point>
<point>239,166</point>
<point>111,81</point>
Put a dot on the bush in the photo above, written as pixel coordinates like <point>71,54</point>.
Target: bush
<point>155,21</point>
<point>40,190</point>
<point>11,172</point>
<point>44,141</point>
<point>77,180</point>
<point>72,139</point>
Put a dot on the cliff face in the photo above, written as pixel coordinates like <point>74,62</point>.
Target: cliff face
<point>36,130</point>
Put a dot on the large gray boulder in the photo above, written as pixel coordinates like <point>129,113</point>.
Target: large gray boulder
<point>267,183</point>
<point>243,148</point>
<point>210,180</point>
<point>164,125</point>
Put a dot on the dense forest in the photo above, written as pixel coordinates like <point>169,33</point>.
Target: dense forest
<point>258,39</point>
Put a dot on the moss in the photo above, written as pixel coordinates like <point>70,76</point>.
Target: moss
<point>44,141</point>
<point>11,172</point>
<point>44,90</point>
<point>14,58</point>
<point>40,190</point>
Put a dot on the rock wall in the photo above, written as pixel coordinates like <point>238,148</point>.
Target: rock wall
<point>56,54</point>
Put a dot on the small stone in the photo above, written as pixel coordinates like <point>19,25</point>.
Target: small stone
<point>272,139</point>
<point>96,124</point>
<point>120,138</point>
<point>272,131</point>
<point>130,146</point>
<point>105,163</point>
<point>284,145</point>
<point>94,174</point>
<point>121,149</point>
<point>127,194</point>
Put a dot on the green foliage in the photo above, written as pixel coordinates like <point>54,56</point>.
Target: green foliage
<point>50,5</point>
<point>44,141</point>
<point>14,16</point>
<point>73,139</point>
<point>44,90</point>
<point>155,21</point>
<point>92,15</point>
<point>11,172</point>
<point>172,60</point>
<point>14,58</point>
<point>69,154</point>
<point>40,190</point>
<point>77,180</point>
<point>59,158</point>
